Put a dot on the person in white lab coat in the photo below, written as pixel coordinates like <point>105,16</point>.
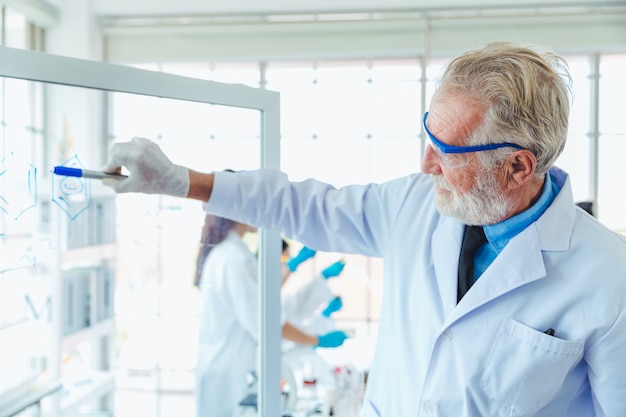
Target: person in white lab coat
<point>226,272</point>
<point>542,330</point>
<point>311,305</point>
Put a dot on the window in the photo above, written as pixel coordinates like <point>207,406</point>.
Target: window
<point>578,145</point>
<point>21,144</point>
<point>612,142</point>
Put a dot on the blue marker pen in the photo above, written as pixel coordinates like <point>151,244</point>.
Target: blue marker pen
<point>86,173</point>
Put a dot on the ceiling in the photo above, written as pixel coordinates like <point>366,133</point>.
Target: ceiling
<point>136,8</point>
<point>234,30</point>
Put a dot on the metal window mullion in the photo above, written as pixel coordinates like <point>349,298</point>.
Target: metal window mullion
<point>594,129</point>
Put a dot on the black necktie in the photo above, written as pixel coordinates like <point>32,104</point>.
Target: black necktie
<point>473,239</point>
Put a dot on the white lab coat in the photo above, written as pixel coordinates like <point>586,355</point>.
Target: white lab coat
<point>300,305</point>
<point>488,355</point>
<point>228,325</point>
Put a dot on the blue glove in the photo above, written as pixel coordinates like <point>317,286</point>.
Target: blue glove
<point>334,305</point>
<point>304,254</point>
<point>332,339</point>
<point>333,270</point>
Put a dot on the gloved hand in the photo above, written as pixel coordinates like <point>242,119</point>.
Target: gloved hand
<point>334,305</point>
<point>332,339</point>
<point>333,270</point>
<point>150,171</point>
<point>304,254</point>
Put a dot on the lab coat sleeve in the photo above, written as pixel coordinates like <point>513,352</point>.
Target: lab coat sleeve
<point>352,219</point>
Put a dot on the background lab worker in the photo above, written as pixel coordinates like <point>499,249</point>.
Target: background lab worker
<point>290,264</point>
<point>228,319</point>
<point>302,307</point>
<point>533,322</point>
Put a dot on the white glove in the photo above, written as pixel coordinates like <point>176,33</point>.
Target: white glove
<point>150,171</point>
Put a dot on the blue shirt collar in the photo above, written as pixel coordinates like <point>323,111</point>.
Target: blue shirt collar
<point>500,234</point>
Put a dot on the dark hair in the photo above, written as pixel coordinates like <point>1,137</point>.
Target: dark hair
<point>214,231</point>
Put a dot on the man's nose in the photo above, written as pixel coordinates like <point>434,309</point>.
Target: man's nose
<point>431,164</point>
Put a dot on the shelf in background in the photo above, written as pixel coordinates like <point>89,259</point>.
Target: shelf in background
<point>27,394</point>
<point>102,328</point>
<point>85,255</point>
<point>90,387</point>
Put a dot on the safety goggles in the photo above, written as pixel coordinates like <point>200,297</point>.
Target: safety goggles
<point>457,156</point>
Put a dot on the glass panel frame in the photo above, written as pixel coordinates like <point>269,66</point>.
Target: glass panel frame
<point>47,68</point>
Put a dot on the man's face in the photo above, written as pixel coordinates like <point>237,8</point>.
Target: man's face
<point>472,192</point>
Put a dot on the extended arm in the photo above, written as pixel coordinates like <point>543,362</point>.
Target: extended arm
<point>328,340</point>
<point>291,332</point>
<point>310,211</point>
<point>151,172</point>
<point>200,185</point>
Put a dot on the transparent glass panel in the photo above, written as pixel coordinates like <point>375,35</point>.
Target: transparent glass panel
<point>158,241</point>
<point>24,293</point>
<point>17,111</point>
<point>38,225</point>
<point>74,254</point>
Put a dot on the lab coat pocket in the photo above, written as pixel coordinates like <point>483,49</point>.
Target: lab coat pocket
<point>526,368</point>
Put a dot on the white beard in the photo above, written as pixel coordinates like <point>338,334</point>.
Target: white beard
<point>482,205</point>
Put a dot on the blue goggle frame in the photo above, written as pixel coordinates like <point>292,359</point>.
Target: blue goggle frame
<point>445,148</point>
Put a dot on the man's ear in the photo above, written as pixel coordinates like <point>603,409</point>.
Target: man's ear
<point>521,167</point>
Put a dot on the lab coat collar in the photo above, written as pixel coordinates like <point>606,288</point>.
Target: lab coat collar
<point>556,225</point>
<point>519,263</point>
